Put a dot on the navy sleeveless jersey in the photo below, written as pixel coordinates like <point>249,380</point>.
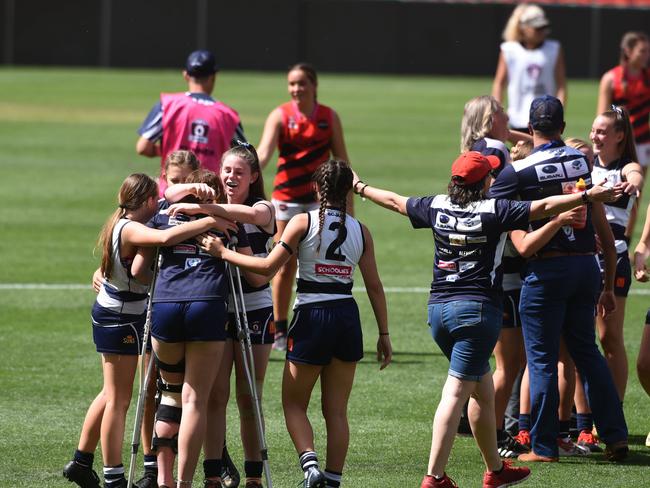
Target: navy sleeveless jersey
<point>469,244</point>
<point>187,273</point>
<point>551,169</point>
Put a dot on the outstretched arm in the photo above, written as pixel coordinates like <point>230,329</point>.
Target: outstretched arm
<point>556,204</point>
<point>387,199</point>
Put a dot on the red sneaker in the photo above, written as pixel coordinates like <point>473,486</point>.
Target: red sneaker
<point>509,475</point>
<point>589,440</point>
<point>445,482</point>
<point>523,438</point>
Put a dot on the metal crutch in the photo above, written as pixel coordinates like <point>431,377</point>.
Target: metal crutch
<point>144,377</point>
<point>243,334</point>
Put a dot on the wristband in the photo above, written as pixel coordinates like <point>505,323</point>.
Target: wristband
<point>362,189</point>
<point>585,197</point>
<point>384,333</point>
<point>354,188</point>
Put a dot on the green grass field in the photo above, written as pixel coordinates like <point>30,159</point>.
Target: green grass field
<point>67,139</point>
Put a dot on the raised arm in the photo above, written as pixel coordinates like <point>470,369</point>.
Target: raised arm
<point>270,137</point>
<point>387,199</point>
<point>262,213</point>
<point>556,204</point>
<point>375,291</point>
<point>202,191</point>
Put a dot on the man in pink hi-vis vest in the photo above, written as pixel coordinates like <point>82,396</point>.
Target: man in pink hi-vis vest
<point>192,120</point>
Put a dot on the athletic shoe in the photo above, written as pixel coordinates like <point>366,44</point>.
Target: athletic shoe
<point>510,448</point>
<point>253,484</point>
<point>509,475</point>
<point>533,457</point>
<point>280,341</point>
<point>617,451</point>
<point>445,482</point>
<point>566,448</point>
<point>587,439</point>
<point>314,478</point>
<point>463,427</point>
<point>647,440</point>
<point>149,480</point>
<point>229,475</point>
<point>523,438</point>
<point>84,476</point>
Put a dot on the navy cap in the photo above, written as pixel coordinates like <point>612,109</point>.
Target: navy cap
<point>546,114</point>
<point>201,63</point>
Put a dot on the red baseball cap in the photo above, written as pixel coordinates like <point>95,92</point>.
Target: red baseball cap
<point>472,166</point>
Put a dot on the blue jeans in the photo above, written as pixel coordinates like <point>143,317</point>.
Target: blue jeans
<point>466,332</point>
<point>558,299</point>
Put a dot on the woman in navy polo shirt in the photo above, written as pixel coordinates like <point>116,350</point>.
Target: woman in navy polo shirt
<point>465,304</point>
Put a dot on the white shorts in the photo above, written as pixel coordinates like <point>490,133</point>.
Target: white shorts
<point>285,210</point>
<point>643,153</point>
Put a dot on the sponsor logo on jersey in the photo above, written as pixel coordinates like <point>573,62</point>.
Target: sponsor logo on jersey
<point>577,167</point>
<point>452,278</point>
<point>476,239</point>
<point>129,339</point>
<point>447,265</point>
<point>467,265</point>
<point>444,250</point>
<point>184,249</point>
<point>473,252</point>
<point>291,123</point>
<point>445,222</point>
<point>322,124</point>
<point>568,232</point>
<point>192,262</point>
<point>457,240</point>
<point>549,172</point>
<point>332,269</point>
<point>200,129</point>
<point>471,224</point>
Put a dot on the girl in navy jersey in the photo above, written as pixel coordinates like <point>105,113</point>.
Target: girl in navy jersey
<point>465,304</point>
<point>325,338</point>
<point>242,180</point>
<point>306,134</point>
<point>118,320</point>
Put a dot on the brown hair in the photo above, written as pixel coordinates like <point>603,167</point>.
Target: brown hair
<point>334,180</point>
<point>629,41</point>
<point>211,179</point>
<point>134,193</point>
<point>309,71</point>
<point>621,121</point>
<point>247,152</point>
<point>182,159</point>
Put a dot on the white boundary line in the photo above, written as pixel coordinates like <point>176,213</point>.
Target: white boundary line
<point>79,286</point>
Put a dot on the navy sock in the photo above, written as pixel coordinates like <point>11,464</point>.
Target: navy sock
<point>584,421</point>
<point>84,458</point>
<point>565,426</point>
<point>113,475</point>
<point>281,326</point>
<point>150,463</point>
<point>212,468</point>
<point>253,469</point>
<point>524,421</point>
<point>332,479</point>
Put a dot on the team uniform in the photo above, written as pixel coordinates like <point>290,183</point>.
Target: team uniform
<point>634,94</point>
<point>189,301</point>
<point>618,216</point>
<point>118,314</point>
<point>304,144</point>
<point>258,302</point>
<point>558,298</point>
<point>326,321</point>
<point>195,122</point>
<point>531,73</point>
<point>465,302</point>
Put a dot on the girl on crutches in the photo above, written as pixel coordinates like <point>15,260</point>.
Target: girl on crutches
<point>242,181</point>
<point>325,339</point>
<point>118,319</point>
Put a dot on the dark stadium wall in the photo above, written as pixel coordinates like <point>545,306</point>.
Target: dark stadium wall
<point>374,36</point>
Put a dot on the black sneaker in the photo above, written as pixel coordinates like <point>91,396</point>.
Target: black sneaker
<point>463,426</point>
<point>229,475</point>
<point>510,448</point>
<point>149,480</point>
<point>84,476</point>
<point>314,478</point>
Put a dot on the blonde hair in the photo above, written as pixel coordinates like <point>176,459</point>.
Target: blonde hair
<point>182,159</point>
<point>134,193</point>
<point>576,143</point>
<point>512,30</point>
<point>521,150</point>
<point>477,120</point>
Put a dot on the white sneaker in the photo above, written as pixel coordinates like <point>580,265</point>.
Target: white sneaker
<point>280,341</point>
<point>566,447</point>
<point>647,441</point>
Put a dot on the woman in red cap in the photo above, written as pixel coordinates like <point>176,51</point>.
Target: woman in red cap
<point>465,303</point>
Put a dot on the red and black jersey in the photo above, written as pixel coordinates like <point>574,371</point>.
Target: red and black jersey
<point>304,144</point>
<point>633,94</point>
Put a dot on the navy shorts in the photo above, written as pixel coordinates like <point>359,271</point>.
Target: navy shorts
<point>189,321</point>
<point>511,319</point>
<point>117,333</point>
<point>466,332</point>
<point>623,278</point>
<point>260,326</point>
<point>325,330</point>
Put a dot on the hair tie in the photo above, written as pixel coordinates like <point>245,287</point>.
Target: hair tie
<point>122,206</point>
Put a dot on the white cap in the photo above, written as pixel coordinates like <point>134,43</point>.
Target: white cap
<point>534,16</point>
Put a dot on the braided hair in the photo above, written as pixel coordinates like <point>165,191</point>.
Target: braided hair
<point>334,181</point>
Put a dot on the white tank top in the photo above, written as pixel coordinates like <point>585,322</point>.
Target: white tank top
<point>531,74</point>
<point>325,273</point>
